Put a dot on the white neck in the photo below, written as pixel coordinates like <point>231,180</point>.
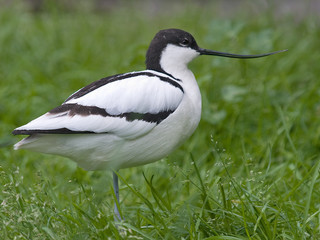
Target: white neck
<point>174,60</point>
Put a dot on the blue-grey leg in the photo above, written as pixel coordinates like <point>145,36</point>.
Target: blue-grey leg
<point>117,216</point>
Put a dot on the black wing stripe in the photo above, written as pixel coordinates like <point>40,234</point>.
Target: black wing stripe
<point>76,109</point>
<point>49,131</point>
<point>95,85</point>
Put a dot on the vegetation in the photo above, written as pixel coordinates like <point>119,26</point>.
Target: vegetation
<point>250,171</point>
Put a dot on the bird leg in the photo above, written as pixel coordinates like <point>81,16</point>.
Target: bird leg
<point>117,216</point>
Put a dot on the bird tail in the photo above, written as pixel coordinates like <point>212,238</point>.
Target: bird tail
<point>25,143</point>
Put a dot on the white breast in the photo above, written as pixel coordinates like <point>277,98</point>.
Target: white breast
<point>119,143</point>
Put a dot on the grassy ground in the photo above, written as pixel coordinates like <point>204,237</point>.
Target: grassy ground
<point>250,171</point>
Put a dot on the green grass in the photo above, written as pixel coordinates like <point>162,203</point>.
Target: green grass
<point>250,171</point>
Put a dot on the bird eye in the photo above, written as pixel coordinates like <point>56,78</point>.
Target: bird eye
<point>185,42</point>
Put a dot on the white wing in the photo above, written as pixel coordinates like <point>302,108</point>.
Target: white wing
<point>127,105</point>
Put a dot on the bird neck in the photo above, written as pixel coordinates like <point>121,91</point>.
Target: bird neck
<point>172,60</point>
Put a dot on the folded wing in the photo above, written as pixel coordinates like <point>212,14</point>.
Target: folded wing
<point>127,105</point>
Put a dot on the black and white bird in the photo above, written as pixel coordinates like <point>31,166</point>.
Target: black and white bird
<point>128,119</point>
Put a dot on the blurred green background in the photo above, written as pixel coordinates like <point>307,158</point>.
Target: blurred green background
<point>251,169</point>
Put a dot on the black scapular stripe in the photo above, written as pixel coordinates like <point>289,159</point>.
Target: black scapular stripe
<point>95,85</point>
<point>76,109</point>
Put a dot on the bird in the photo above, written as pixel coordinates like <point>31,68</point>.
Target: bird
<point>128,119</point>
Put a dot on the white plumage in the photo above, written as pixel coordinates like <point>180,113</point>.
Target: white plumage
<point>115,142</point>
<point>128,119</point>
<point>138,94</point>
